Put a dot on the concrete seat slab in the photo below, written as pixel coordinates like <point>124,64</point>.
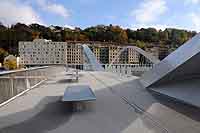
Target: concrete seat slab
<point>78,93</point>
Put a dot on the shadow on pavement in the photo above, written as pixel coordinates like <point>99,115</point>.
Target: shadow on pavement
<point>181,107</point>
<point>53,114</point>
<point>66,81</point>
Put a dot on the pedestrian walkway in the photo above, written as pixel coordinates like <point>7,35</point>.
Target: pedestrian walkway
<point>122,106</point>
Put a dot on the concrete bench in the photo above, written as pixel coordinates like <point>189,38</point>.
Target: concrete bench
<point>77,94</point>
<point>72,74</point>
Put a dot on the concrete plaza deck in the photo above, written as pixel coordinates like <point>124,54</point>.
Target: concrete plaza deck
<point>122,106</point>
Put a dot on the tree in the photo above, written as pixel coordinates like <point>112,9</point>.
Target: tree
<point>3,54</point>
<point>119,35</point>
<point>10,36</point>
<point>131,34</point>
<point>163,35</point>
<point>10,65</point>
<point>83,37</point>
<point>10,62</point>
<point>35,35</point>
<point>140,44</point>
<point>151,35</point>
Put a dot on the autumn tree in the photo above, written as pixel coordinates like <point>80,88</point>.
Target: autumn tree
<point>3,54</point>
<point>10,36</point>
<point>35,35</point>
<point>10,62</point>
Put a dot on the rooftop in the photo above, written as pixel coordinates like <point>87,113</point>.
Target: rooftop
<point>122,106</point>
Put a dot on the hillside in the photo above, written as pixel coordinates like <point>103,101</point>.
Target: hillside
<point>172,38</point>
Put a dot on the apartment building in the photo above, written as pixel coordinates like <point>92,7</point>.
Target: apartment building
<point>96,50</point>
<point>74,53</point>
<point>109,53</point>
<point>43,52</point>
<point>133,56</point>
<point>153,50</point>
<point>114,54</point>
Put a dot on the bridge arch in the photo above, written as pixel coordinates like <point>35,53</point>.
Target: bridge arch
<point>151,58</point>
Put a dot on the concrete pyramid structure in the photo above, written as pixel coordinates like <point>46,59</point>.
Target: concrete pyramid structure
<point>178,75</point>
<point>91,59</point>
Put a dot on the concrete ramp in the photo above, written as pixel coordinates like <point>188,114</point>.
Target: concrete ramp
<point>184,63</point>
<point>187,91</point>
<point>178,75</point>
<point>151,58</point>
<point>148,56</point>
<point>91,59</point>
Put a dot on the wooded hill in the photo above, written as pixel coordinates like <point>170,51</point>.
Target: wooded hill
<point>10,36</point>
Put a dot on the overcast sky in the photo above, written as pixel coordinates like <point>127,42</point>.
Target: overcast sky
<point>184,14</point>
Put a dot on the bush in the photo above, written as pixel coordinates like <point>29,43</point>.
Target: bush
<point>10,63</point>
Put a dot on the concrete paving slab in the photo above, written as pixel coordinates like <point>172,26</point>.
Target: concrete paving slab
<point>172,115</point>
<point>41,109</point>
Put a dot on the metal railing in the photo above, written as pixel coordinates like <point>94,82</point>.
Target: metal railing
<point>128,69</point>
<point>122,69</point>
<point>15,83</point>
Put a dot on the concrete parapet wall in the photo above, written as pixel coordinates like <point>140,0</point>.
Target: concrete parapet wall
<point>13,83</point>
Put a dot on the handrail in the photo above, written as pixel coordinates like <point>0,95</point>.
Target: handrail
<point>22,70</point>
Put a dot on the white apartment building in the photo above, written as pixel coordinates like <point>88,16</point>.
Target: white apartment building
<point>125,56</point>
<point>43,52</point>
<point>110,53</point>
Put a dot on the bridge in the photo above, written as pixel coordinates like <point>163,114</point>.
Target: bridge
<point>31,99</point>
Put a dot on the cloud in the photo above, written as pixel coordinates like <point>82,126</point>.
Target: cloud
<point>12,12</point>
<point>110,17</point>
<point>188,2</point>
<point>191,22</point>
<point>49,6</point>
<point>70,27</point>
<point>195,19</point>
<point>156,26</point>
<point>149,11</point>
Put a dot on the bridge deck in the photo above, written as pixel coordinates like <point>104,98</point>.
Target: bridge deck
<point>122,106</point>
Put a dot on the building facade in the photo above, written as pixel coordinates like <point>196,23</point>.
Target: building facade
<point>153,50</point>
<point>44,52</point>
<point>133,56</point>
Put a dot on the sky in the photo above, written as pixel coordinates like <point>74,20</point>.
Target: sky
<point>134,14</point>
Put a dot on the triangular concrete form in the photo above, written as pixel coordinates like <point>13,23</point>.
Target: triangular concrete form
<point>178,75</point>
<point>91,59</point>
